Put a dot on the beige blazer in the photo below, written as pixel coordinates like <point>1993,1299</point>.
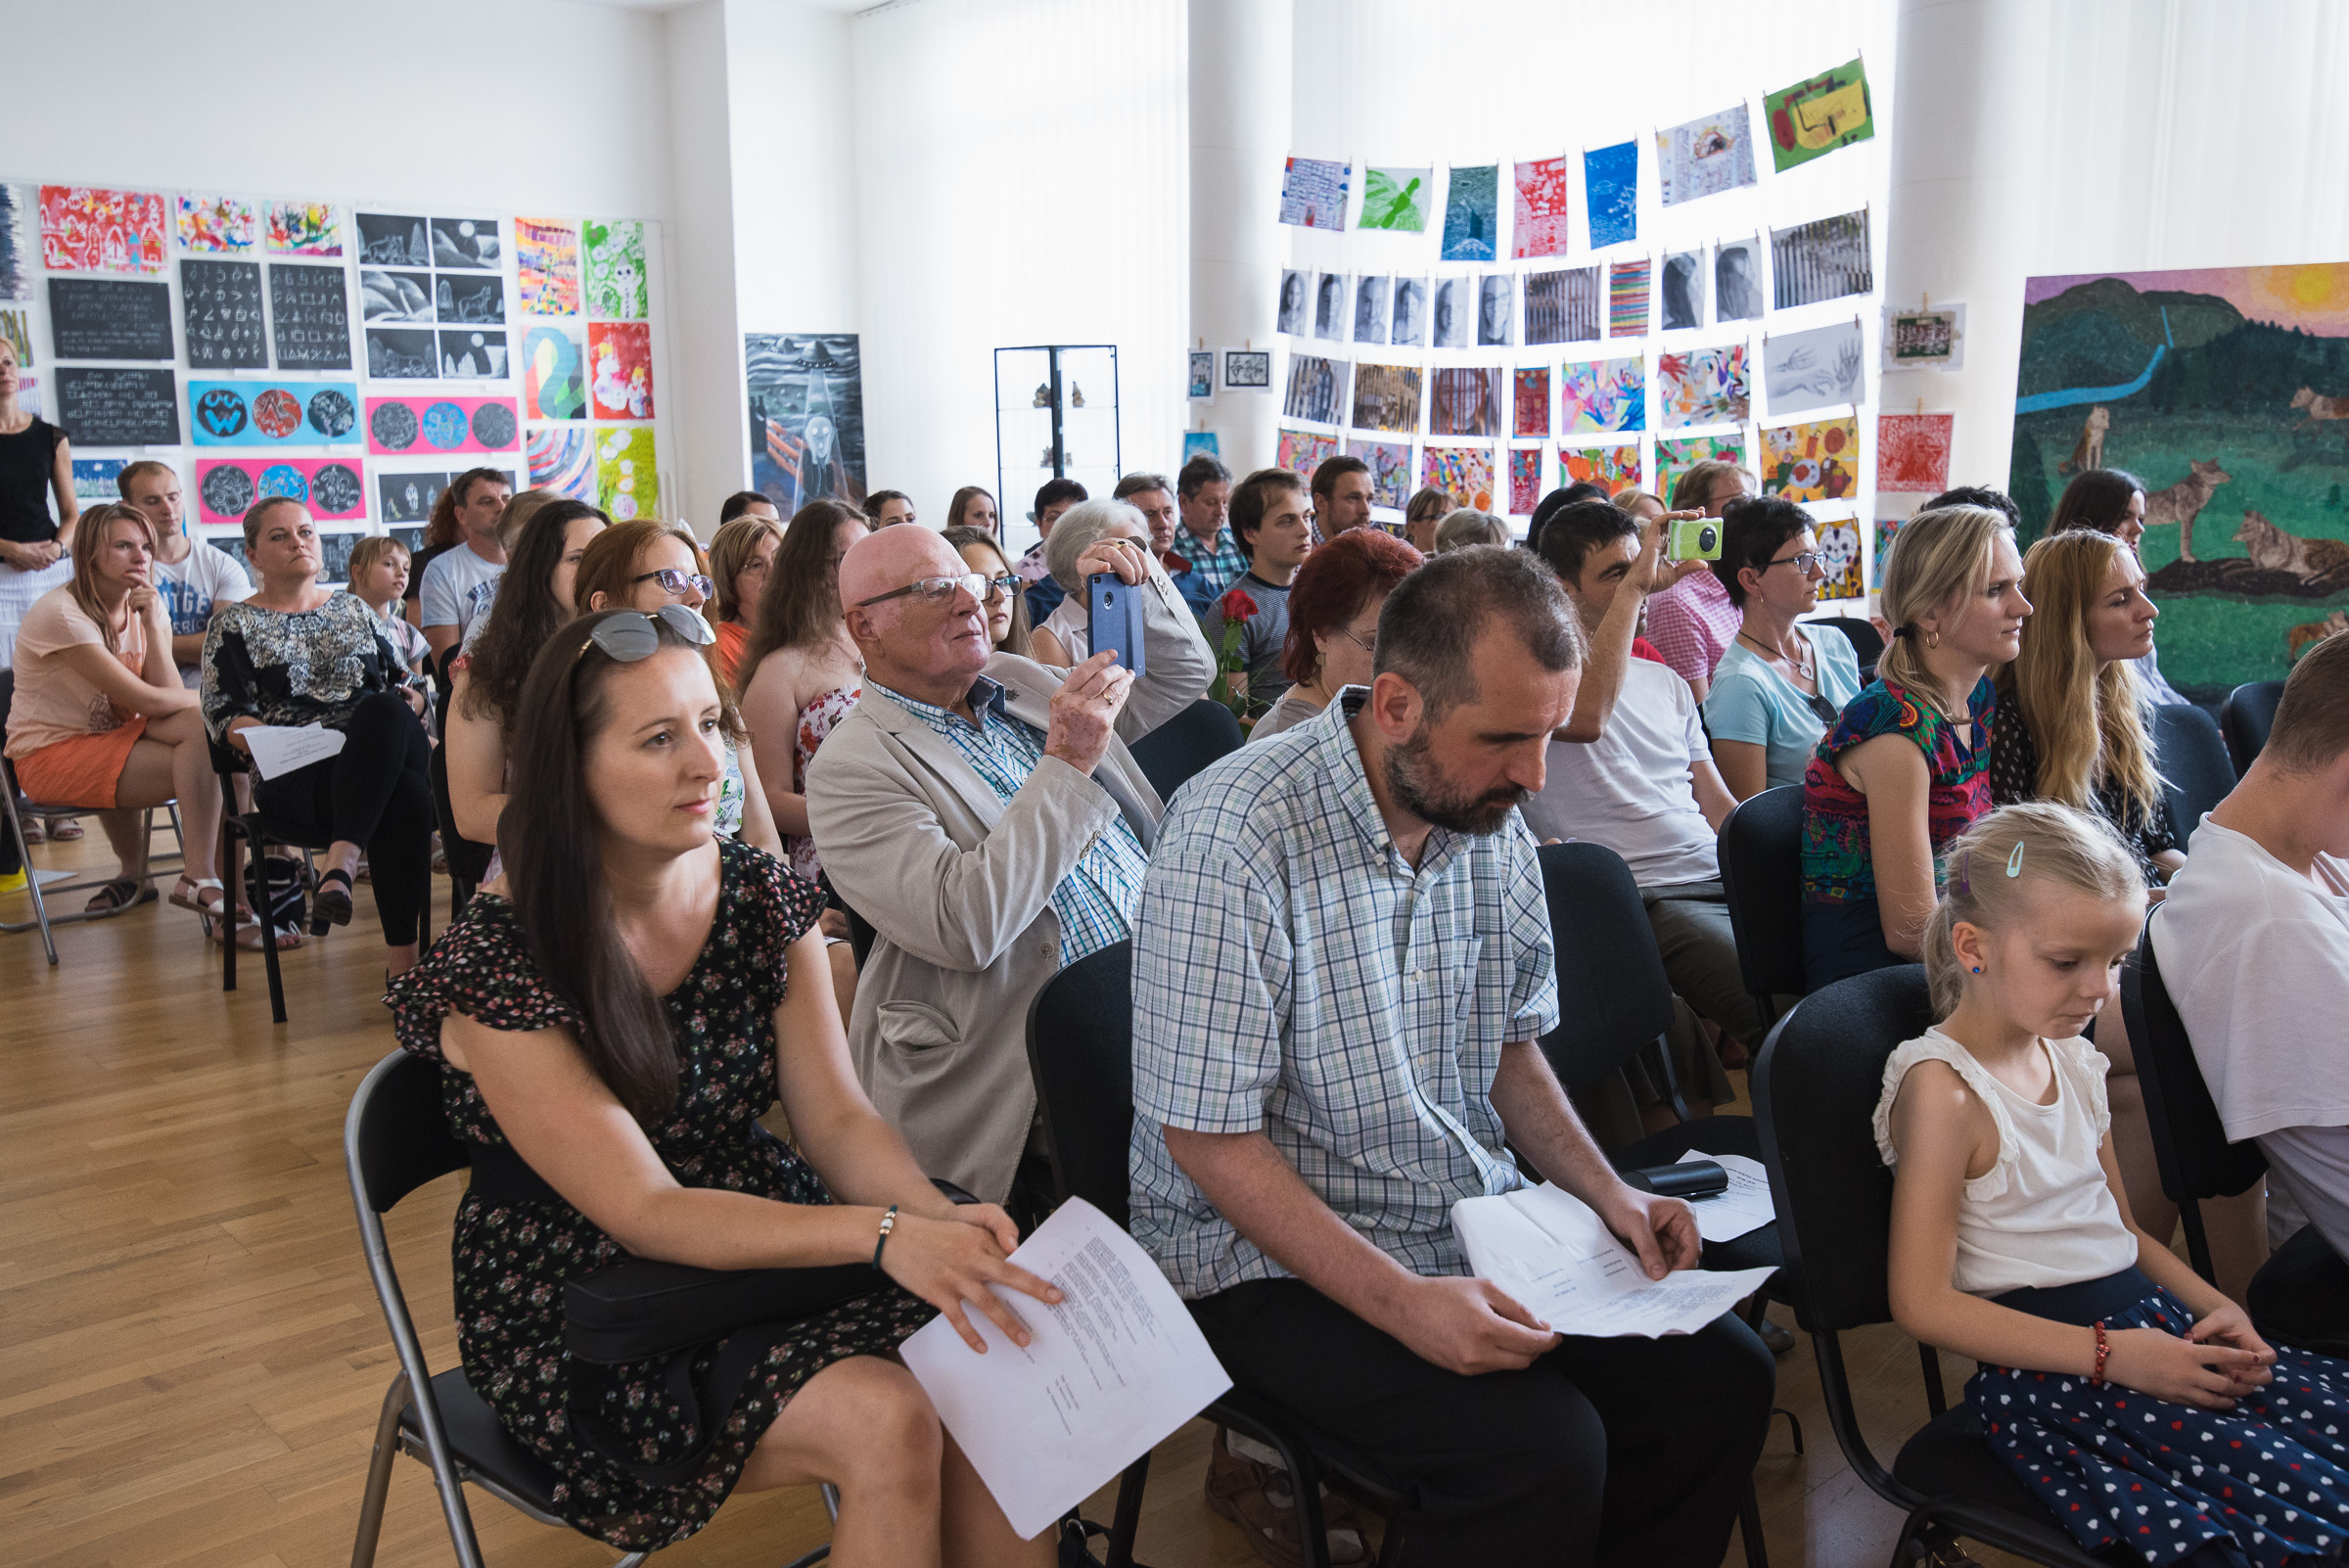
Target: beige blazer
<point>958,884</point>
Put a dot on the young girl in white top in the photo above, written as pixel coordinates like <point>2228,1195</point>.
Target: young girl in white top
<point>2135,1402</point>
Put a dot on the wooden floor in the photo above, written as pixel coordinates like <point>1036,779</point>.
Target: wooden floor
<point>191,1357</point>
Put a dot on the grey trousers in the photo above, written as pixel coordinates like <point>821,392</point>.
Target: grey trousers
<point>1691,921</point>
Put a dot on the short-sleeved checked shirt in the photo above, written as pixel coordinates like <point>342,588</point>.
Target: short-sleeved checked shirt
<point>1213,570</point>
<point>1295,974</point>
<point>1095,900</point>
<point>1692,623</point>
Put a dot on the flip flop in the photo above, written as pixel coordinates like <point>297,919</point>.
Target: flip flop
<point>332,905</point>
<point>63,830</point>
<point>118,894</point>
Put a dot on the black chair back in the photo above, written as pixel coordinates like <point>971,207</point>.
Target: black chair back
<point>1611,976</point>
<point>1081,1054</point>
<point>468,860</point>
<point>2196,772</point>
<point>1171,754</point>
<point>398,1133</point>
<point>1868,643</point>
<point>1762,880</point>
<point>1816,1087</point>
<point>2246,716</point>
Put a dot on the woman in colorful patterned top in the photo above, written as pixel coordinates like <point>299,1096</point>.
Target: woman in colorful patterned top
<point>1904,771</point>
<point>610,1021</point>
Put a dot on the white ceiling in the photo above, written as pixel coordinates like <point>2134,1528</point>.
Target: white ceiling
<point>675,5</point>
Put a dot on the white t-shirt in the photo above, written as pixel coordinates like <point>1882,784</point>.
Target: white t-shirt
<point>208,577</point>
<point>445,598</point>
<point>1633,789</point>
<point>2256,958</point>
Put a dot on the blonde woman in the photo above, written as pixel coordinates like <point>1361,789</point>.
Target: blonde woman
<point>1467,526</point>
<point>1904,769</point>
<point>1427,508</point>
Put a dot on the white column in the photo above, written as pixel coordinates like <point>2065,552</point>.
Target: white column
<point>705,396</point>
<point>1240,100</point>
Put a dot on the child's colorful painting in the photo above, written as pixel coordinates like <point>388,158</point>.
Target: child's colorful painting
<point>86,229</point>
<point>1818,461</point>
<point>627,477</point>
<point>1525,480</point>
<point>1390,470</point>
<point>217,225</point>
<point>1703,386</point>
<point>1675,456</point>
<point>619,362</point>
<point>1613,469</point>
<point>616,285</point>
<point>1531,404</point>
<point>562,459</point>
<point>1300,450</point>
<point>304,228</point>
<point>546,258</point>
<point>1603,395</point>
<point>1913,452</point>
<point>1464,473</point>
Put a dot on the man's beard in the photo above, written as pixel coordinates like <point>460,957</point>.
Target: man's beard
<point>1414,784</point>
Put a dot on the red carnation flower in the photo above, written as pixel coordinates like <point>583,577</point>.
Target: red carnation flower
<point>1235,605</point>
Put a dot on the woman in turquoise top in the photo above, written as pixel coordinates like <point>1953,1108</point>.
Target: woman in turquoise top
<point>1904,769</point>
<point>1780,684</point>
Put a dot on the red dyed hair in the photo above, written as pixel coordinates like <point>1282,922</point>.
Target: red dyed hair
<point>1337,579</point>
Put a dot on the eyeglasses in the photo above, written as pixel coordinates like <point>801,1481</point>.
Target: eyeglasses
<point>937,590</point>
<point>1367,644</point>
<point>677,582</point>
<point>1825,711</point>
<point>1801,563</point>
<point>630,635</point>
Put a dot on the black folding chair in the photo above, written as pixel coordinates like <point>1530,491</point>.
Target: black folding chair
<point>1169,754</point>
<point>468,862</point>
<point>1080,1052</point>
<point>1868,643</point>
<point>1761,855</point>
<point>2195,771</point>
<point>2246,716</point>
<point>1816,1087</point>
<point>395,1140</point>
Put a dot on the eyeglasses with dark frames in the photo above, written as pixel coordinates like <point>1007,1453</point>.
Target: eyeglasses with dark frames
<point>677,582</point>
<point>1801,563</point>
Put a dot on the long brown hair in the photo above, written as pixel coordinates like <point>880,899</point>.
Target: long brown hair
<point>524,616</point>
<point>801,607</point>
<point>2086,725</point>
<point>608,565</point>
<point>962,500</point>
<point>90,533</point>
<point>731,551</point>
<point>1016,635</point>
<point>442,532</point>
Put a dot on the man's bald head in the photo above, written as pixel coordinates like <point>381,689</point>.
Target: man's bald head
<point>928,649</point>
<point>891,558</point>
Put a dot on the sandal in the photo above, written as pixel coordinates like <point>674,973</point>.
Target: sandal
<point>35,831</point>
<point>249,932</point>
<point>196,898</point>
<point>122,893</point>
<point>331,907</point>
<point>63,830</point>
<point>1261,1500</point>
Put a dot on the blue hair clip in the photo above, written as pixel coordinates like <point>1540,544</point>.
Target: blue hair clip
<point>2015,862</point>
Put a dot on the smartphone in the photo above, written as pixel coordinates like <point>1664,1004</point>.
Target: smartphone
<point>1695,539</point>
<point>1117,620</point>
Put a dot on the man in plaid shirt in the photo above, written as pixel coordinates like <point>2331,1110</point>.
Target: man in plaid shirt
<point>1203,495</point>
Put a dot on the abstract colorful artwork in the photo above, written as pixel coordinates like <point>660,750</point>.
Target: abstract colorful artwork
<point>87,229</point>
<point>1525,480</point>
<point>304,228</point>
<point>1612,469</point>
<point>420,426</point>
<point>1818,461</point>
<point>1888,529</point>
<point>1603,395</point>
<point>620,363</point>
<point>562,459</point>
<point>1464,473</point>
<point>1675,456</point>
<point>1390,470</point>
<point>807,405</point>
<point>1530,403</point>
<point>617,288</point>
<point>546,259</point>
<point>1627,298</point>
<point>1465,400</point>
<point>1819,114</point>
<point>1705,156</point>
<point>1300,451</point>
<point>1611,194</point>
<point>17,206</point>
<point>1913,452</point>
<point>224,225</point>
<point>1472,213</point>
<point>330,486</point>
<point>1823,367</point>
<point>1822,260</point>
<point>274,413</point>
<point>1702,386</point>
<point>1542,186</point>
<point>1395,199</point>
<point>16,330</point>
<point>628,476</point>
<point>1312,193</point>
<point>1386,397</point>
<point>553,377</point>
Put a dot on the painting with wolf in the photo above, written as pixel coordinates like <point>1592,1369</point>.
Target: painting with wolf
<point>2226,392</point>
<point>806,396</point>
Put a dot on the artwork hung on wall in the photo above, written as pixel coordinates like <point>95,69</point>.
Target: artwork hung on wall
<point>1675,456</point>
<point>226,487</point>
<point>1818,461</point>
<point>1294,285</point>
<point>1317,388</point>
<point>274,413</point>
<point>1472,213</point>
<point>1529,404</point>
<point>1525,480</point>
<point>1601,395</point>
<point>1395,199</point>
<point>96,479</point>
<point>1611,194</point>
<point>619,285</point>
<point>1390,470</point>
<point>309,316</point>
<point>1839,553</point>
<point>405,498</point>
<point>1888,529</point>
<point>1370,295</point>
<point>1247,370</point>
<point>105,406</point>
<point>1300,451</point>
<point>1819,114</point>
<point>304,228</point>
<point>469,298</point>
<point>1823,367</point>
<point>1465,400</point>
<point>627,474</point>
<point>1543,185</point>
<point>1703,386</point>
<point>1562,306</point>
<point>1312,193</point>
<point>1932,339</point>
<point>88,229</point>
<point>420,426</point>
<point>28,398</point>
<point>1202,375</point>
<point>1332,295</point>
<point>806,407</point>
<point>1737,281</point>
<point>110,318</point>
<point>395,240</point>
<point>1822,260</point>
<point>17,207</point>
<point>620,354</point>
<point>1627,298</point>
<point>396,354</point>
<point>562,459</point>
<point>1464,473</point>
<point>386,295</point>
<point>1386,397</point>
<point>218,226</point>
<point>554,381</point>
<point>472,244</point>
<point>221,312</point>
<point>482,354</point>
<point>1200,443</point>
<point>1913,452</point>
<point>1496,315</point>
<point>16,329</point>
<point>2225,389</point>
<point>1683,292</point>
<point>1452,324</point>
<point>1612,469</point>
<point>1705,156</point>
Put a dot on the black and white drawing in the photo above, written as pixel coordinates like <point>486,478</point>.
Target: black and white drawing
<point>1822,368</point>
<point>1293,287</point>
<point>396,354</point>
<point>408,497</point>
<point>1495,309</point>
<point>1330,299</point>
<point>1409,329</point>
<point>469,296</point>
<point>1737,281</point>
<point>393,240</point>
<point>1370,308</point>
<point>473,355</point>
<point>1681,288</point>
<point>466,243</point>
<point>1455,320</point>
<point>1822,260</point>
<point>1562,306</point>
<point>388,296</point>
<point>1247,370</point>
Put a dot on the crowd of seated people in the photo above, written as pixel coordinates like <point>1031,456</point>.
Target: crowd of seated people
<point>696,769</point>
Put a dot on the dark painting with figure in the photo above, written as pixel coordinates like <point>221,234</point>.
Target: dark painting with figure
<point>807,401</point>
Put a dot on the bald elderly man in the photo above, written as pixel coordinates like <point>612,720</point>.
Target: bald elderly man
<point>983,814</point>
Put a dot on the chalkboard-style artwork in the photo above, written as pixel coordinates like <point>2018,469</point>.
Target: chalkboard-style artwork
<point>628,476</point>
<point>467,243</point>
<point>389,295</point>
<point>106,407</point>
<point>475,355</point>
<point>393,240</point>
<point>330,486</point>
<point>304,228</point>
<point>469,296</point>
<point>554,381</point>
<point>104,319</point>
<point>421,425</point>
<point>616,275</point>
<point>333,554</point>
<point>15,242</point>
<point>398,354</point>
<point>408,497</point>
<point>217,225</point>
<point>546,262</point>
<point>226,323</point>
<point>621,354</point>
<point>274,413</point>
<point>562,459</point>
<point>85,229</point>
<point>309,316</point>
<point>95,478</point>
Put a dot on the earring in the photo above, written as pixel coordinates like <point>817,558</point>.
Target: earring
<point>1933,638</point>
<point>1977,969</point>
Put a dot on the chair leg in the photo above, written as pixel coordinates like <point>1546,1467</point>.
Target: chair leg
<point>379,1472</point>
<point>1749,1526</point>
<point>233,887</point>
<point>32,874</point>
<point>1935,1401</point>
<point>269,961</point>
<point>1126,1522</point>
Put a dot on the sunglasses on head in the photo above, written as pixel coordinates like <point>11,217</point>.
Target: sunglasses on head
<point>630,635</point>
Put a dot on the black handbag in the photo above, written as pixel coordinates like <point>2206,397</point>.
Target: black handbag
<point>276,883</point>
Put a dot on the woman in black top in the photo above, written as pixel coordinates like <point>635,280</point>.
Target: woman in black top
<point>35,460</point>
<point>296,654</point>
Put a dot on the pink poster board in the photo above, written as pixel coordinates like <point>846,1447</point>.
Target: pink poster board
<point>424,427</point>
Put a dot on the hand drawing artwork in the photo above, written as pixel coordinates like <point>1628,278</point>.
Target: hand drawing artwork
<point>1472,214</point>
<point>1464,473</point>
<point>220,225</point>
<point>1613,469</point>
<point>1702,386</point>
<point>619,356</point>
<point>388,296</point>
<point>1395,199</point>
<point>1465,400</point>
<point>1525,480</point>
<point>1627,298</point>
<point>330,487</point>
<point>403,497</point>
<point>1562,306</point>
<point>310,315</point>
<point>1603,395</point>
<point>807,405</point>
<point>1312,193</point>
<point>421,425</point>
<point>1913,452</point>
<point>304,228</point>
<point>1814,117</point>
<point>628,474</point>
<point>1822,368</point>
<point>617,281</point>
<point>1542,203</point>
<point>1300,451</point>
<point>1386,397</point>
<point>1815,462</point>
<point>1611,191</point>
<point>1529,406</point>
<point>1316,390</point>
<point>274,413</point>
<point>1409,329</point>
<point>87,229</point>
<point>1496,321</point>
<point>1390,470</point>
<point>1291,318</point>
<point>546,255</point>
<point>402,354</point>
<point>1705,156</point>
<point>469,298</point>
<point>1329,306</point>
<point>1370,308</point>
<point>16,330</point>
<point>1452,323</point>
<point>16,205</point>
<point>1683,290</point>
<point>1822,260</point>
<point>1736,281</point>
<point>554,383</point>
<point>1839,553</point>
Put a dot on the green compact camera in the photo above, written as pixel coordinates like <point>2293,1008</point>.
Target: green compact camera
<point>1695,539</point>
